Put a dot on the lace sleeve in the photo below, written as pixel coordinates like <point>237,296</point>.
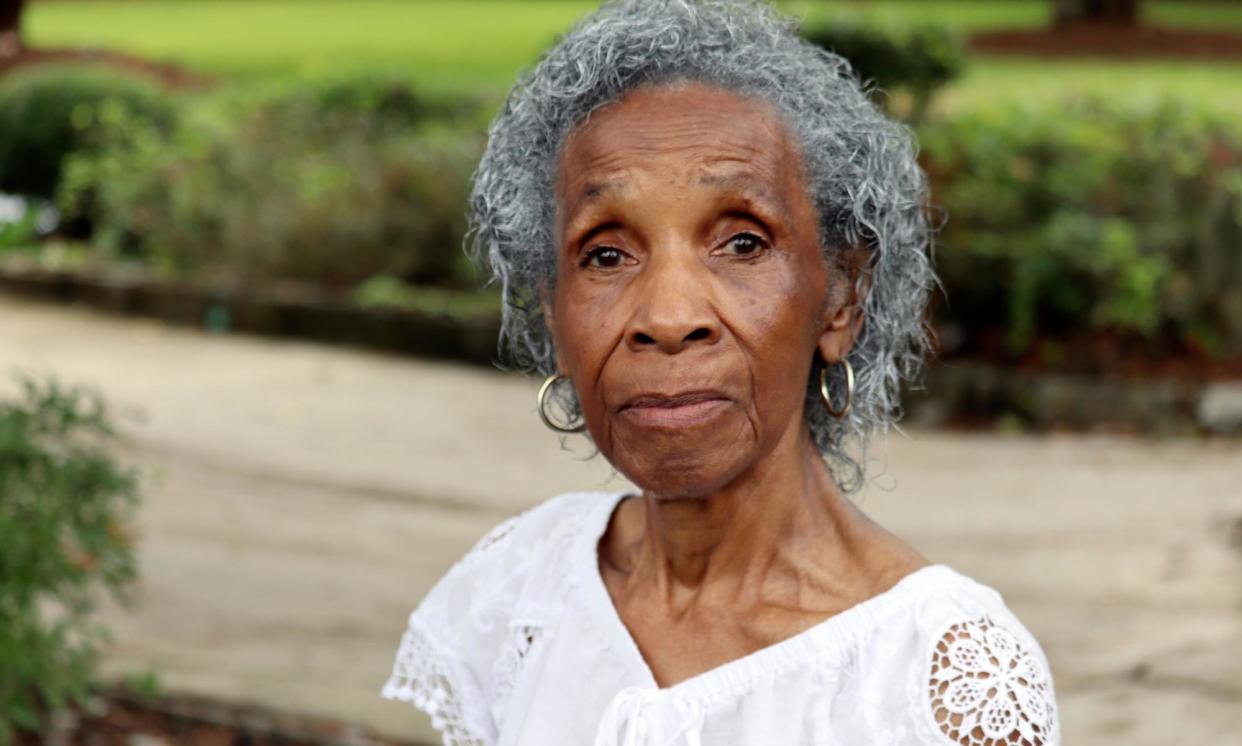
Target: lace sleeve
<point>428,670</point>
<point>469,641</point>
<point>986,689</point>
<point>427,677</point>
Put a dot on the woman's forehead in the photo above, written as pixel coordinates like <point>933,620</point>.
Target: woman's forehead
<point>696,134</point>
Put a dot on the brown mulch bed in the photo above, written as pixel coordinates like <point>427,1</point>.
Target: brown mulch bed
<point>123,720</point>
<point>1112,41</point>
<point>169,75</point>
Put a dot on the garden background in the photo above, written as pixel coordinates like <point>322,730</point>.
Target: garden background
<point>240,223</point>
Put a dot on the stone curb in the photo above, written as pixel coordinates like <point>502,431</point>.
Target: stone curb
<point>953,391</point>
<point>304,316</point>
<point>959,391</point>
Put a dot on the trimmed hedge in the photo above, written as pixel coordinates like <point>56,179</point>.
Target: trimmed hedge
<point>1094,218</point>
<point>332,183</point>
<point>49,111</point>
<point>1097,216</point>
<point>915,59</point>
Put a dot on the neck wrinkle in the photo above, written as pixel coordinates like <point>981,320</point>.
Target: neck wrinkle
<point>734,539</point>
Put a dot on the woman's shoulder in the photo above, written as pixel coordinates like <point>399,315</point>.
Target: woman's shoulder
<point>462,642</point>
<point>939,593</point>
<point>975,672</point>
<point>542,525</point>
<point>511,548</point>
<point>518,563</point>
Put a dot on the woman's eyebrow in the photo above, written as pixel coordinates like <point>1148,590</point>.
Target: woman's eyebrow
<point>580,212</point>
<point>754,189</point>
<point>592,191</point>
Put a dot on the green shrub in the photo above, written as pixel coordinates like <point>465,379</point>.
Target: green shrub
<point>23,222</point>
<point>374,101</point>
<point>328,184</point>
<point>916,59</point>
<point>47,112</point>
<point>65,506</point>
<point>1095,215</point>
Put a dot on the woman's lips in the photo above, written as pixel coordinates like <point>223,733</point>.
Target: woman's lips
<point>679,410</point>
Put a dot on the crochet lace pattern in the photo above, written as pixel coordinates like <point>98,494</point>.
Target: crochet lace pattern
<point>986,690</point>
<point>420,676</point>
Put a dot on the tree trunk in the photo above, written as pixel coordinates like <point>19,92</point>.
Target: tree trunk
<point>1124,12</point>
<point>10,27</point>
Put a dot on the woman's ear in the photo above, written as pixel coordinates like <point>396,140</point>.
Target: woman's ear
<point>839,333</point>
<point>843,321</point>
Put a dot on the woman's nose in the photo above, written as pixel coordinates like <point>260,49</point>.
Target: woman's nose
<point>673,311</point>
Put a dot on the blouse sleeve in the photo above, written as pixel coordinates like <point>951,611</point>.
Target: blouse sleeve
<point>468,641</point>
<point>442,660</point>
<point>988,684</point>
<point>429,677</point>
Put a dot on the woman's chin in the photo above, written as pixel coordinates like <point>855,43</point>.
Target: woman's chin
<point>682,461</point>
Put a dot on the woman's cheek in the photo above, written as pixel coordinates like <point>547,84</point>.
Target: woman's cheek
<point>777,308</point>
<point>584,340</point>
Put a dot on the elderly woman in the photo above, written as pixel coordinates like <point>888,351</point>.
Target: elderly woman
<point>716,250</point>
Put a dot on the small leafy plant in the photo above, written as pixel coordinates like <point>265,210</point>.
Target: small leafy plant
<point>47,112</point>
<point>65,508</point>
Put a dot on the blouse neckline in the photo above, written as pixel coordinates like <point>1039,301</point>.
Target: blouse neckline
<point>832,638</point>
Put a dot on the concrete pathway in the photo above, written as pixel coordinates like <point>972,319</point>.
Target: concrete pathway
<point>301,499</point>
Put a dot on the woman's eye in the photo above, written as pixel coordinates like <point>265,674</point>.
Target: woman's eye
<point>744,245</point>
<point>604,257</point>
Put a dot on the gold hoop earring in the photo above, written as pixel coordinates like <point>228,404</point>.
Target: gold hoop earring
<point>849,390</point>
<point>543,402</point>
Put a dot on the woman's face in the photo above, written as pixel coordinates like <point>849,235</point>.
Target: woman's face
<point>691,294</point>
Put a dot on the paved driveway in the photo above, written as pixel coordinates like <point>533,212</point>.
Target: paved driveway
<point>302,498</point>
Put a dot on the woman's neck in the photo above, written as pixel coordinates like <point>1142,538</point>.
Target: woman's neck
<point>784,519</point>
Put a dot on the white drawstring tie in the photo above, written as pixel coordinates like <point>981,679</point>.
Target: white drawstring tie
<point>637,709</point>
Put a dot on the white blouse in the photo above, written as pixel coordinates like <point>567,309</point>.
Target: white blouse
<point>520,643</point>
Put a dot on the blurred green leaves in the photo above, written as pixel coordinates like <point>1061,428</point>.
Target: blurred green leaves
<point>328,182</point>
<point>895,57</point>
<point>48,111</point>
<point>1102,215</point>
<point>1097,215</point>
<point>65,539</point>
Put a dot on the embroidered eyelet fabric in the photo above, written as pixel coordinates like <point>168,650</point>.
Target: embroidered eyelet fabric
<point>519,643</point>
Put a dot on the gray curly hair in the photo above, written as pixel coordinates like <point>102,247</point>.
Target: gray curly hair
<point>860,168</point>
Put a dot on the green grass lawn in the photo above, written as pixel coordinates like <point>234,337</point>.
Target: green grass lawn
<point>1218,15</point>
<point>480,44</point>
<point>967,15</point>
<point>992,78</point>
<point>447,43</point>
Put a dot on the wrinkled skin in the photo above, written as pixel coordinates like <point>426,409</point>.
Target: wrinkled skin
<point>691,297</point>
